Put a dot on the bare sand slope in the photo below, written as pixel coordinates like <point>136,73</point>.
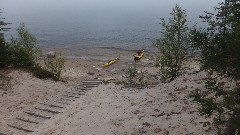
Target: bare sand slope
<point>113,110</point>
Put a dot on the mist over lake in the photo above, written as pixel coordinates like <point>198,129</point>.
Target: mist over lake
<point>131,24</point>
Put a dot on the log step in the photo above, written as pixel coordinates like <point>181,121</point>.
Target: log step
<point>47,109</point>
<point>61,102</point>
<point>92,81</point>
<point>85,89</point>
<point>87,85</point>
<point>27,120</point>
<point>83,84</point>
<point>58,105</point>
<point>71,96</point>
<point>65,99</point>
<point>75,93</point>
<point>37,114</point>
<point>90,85</point>
<point>80,90</point>
<point>21,126</point>
<point>30,118</point>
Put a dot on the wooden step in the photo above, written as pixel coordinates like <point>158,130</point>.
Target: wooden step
<point>71,96</point>
<point>37,114</point>
<point>27,120</point>
<point>61,102</point>
<point>85,89</point>
<point>93,81</point>
<point>30,118</point>
<point>20,125</point>
<point>76,92</point>
<point>65,99</point>
<point>87,85</point>
<point>47,109</point>
<point>90,85</point>
<point>80,90</point>
<point>52,104</point>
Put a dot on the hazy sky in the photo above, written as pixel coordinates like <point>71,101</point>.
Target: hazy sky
<point>103,5</point>
<point>102,8</point>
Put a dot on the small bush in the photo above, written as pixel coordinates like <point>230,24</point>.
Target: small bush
<point>54,65</point>
<point>141,80</point>
<point>134,79</point>
<point>130,74</point>
<point>41,73</point>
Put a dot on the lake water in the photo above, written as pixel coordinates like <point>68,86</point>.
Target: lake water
<point>131,24</point>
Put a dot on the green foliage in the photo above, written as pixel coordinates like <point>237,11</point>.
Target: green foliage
<point>3,52</point>
<point>41,73</point>
<point>220,47</point>
<point>218,102</point>
<point>220,43</point>
<point>54,65</point>
<point>134,79</point>
<point>3,44</point>
<point>23,50</point>
<point>141,79</point>
<point>157,61</point>
<point>172,45</point>
<point>130,74</point>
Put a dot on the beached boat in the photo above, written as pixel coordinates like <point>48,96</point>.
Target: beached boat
<point>110,62</point>
<point>139,55</point>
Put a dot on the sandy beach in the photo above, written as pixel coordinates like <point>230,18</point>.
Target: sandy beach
<point>111,108</point>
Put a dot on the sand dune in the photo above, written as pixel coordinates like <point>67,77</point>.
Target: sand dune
<point>109,109</point>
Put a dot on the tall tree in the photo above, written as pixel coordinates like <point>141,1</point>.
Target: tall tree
<point>3,46</point>
<point>3,24</point>
<point>220,47</point>
<point>172,44</point>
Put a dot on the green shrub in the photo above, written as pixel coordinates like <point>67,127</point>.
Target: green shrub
<point>54,65</point>
<point>23,50</point>
<point>172,45</point>
<point>141,79</point>
<point>134,79</point>
<point>41,73</point>
<point>130,74</point>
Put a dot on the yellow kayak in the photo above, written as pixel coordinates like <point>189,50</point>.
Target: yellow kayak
<point>139,55</point>
<point>110,62</point>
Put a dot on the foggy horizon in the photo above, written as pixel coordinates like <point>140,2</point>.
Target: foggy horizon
<point>102,22</point>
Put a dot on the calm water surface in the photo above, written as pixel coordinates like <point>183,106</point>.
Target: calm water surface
<point>131,24</point>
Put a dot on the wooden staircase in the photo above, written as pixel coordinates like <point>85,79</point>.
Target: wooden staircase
<point>30,118</point>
